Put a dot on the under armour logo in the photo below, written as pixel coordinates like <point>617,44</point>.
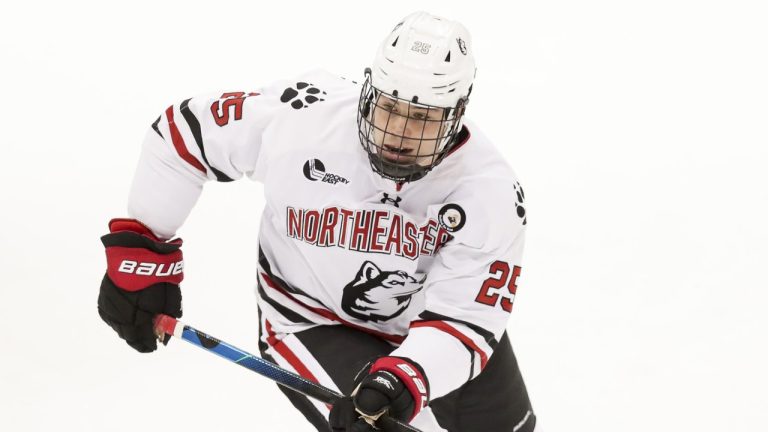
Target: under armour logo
<point>394,201</point>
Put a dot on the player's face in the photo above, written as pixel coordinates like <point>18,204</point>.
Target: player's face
<point>406,133</point>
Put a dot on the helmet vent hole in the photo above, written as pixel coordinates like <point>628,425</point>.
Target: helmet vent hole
<point>448,57</point>
<point>395,42</point>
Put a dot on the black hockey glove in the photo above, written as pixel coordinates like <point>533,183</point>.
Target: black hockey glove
<point>391,386</point>
<point>142,280</point>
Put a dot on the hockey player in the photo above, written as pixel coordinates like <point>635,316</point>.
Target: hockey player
<point>390,243</point>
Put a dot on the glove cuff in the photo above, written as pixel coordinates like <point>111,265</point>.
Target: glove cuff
<point>137,259</point>
<point>133,225</point>
<point>412,376</point>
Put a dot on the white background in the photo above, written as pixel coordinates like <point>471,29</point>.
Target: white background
<point>638,130</point>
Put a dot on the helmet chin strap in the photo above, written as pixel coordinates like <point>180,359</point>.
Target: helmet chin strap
<point>410,172</point>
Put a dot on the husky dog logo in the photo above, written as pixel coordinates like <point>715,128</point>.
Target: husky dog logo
<point>376,295</point>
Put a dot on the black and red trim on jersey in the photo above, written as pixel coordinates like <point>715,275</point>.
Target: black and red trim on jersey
<point>462,137</point>
<point>181,147</point>
<point>327,314</point>
<point>267,267</point>
<point>154,126</point>
<point>485,334</point>
<point>446,327</point>
<point>194,127</point>
<point>300,401</point>
<point>429,319</point>
<point>278,285</point>
<point>286,312</point>
<point>288,354</point>
<point>179,144</point>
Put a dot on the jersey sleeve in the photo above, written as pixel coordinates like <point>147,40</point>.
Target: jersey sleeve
<point>469,290</point>
<point>210,137</point>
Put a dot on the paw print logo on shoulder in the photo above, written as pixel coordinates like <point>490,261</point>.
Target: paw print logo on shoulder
<point>302,95</point>
<point>519,204</point>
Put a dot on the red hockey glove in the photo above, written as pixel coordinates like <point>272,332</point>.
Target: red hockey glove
<point>392,386</point>
<point>142,280</point>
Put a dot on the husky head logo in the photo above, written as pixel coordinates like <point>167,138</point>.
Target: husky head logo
<point>376,295</point>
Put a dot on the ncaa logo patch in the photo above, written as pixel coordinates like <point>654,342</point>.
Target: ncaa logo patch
<point>451,217</point>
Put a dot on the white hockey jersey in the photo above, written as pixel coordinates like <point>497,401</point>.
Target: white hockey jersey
<point>431,265</point>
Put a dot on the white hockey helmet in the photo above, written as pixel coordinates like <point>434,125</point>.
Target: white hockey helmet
<point>428,63</point>
<point>428,58</point>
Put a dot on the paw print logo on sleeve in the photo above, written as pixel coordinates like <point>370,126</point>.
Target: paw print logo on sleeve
<point>519,204</point>
<point>302,96</point>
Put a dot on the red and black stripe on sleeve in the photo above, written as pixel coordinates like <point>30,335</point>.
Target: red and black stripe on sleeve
<point>443,323</point>
<point>181,147</point>
<point>194,127</point>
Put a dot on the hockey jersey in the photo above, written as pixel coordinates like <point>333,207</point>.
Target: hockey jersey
<point>431,266</point>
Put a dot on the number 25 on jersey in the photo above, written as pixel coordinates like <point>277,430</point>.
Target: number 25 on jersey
<point>501,277</point>
<point>229,103</point>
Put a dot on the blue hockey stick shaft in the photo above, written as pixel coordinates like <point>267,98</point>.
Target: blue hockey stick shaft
<point>166,325</point>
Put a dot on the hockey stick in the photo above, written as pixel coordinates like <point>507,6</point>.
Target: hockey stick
<point>166,325</point>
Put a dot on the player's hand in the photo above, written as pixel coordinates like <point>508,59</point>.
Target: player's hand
<point>142,280</point>
<point>391,386</point>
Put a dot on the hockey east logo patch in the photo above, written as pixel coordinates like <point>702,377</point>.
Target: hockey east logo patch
<point>378,295</point>
<point>302,95</point>
<point>314,170</point>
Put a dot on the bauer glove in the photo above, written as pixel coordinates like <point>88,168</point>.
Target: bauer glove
<point>391,386</point>
<point>142,280</point>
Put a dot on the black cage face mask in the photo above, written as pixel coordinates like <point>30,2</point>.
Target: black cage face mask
<point>403,138</point>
